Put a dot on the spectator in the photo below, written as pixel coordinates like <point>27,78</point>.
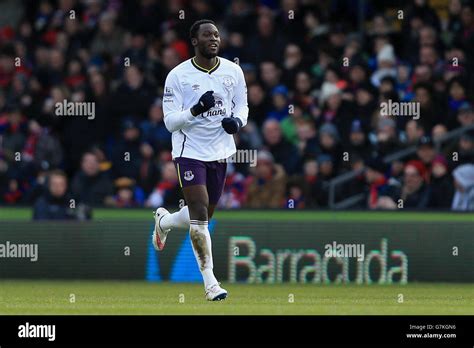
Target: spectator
<point>358,144</point>
<point>167,192</point>
<point>329,143</point>
<point>378,184</point>
<point>153,130</point>
<point>465,115</point>
<point>464,183</point>
<point>414,131</point>
<point>280,103</point>
<point>127,194</point>
<point>426,152</point>
<point>415,192</point>
<point>442,188</point>
<point>466,148</point>
<point>266,186</point>
<point>91,186</point>
<point>12,193</point>
<point>320,189</point>
<point>126,154</point>
<point>55,203</point>
<point>233,195</point>
<point>282,151</point>
<point>295,195</point>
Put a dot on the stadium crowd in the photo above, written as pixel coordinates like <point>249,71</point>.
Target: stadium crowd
<point>315,86</point>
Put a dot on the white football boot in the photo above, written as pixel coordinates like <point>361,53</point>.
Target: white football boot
<point>216,293</point>
<point>159,235</point>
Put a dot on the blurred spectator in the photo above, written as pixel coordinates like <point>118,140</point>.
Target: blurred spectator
<point>378,184</point>
<point>466,148</point>
<point>442,188</point>
<point>465,115</point>
<point>167,192</point>
<point>415,192</point>
<point>12,193</point>
<point>90,185</point>
<point>295,195</point>
<point>127,194</point>
<point>325,174</point>
<point>358,144</point>
<point>464,183</point>
<point>126,154</point>
<point>426,152</point>
<point>282,151</point>
<point>153,130</point>
<point>55,203</point>
<point>266,185</point>
<point>280,103</point>
<point>233,195</point>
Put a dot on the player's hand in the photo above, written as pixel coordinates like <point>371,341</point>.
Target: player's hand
<point>206,102</point>
<point>231,124</point>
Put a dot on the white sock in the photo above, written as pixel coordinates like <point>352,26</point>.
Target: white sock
<point>180,219</point>
<point>202,247</point>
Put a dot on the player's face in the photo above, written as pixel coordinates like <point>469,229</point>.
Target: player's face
<point>208,40</point>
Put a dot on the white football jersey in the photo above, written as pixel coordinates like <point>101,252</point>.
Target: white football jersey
<point>202,137</point>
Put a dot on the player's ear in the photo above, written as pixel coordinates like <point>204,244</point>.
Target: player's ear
<point>194,41</point>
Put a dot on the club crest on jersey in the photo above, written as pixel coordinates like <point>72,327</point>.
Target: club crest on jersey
<point>188,175</point>
<point>228,81</point>
<point>168,94</point>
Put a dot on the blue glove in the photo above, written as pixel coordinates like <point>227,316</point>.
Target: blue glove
<point>231,124</point>
<point>206,102</point>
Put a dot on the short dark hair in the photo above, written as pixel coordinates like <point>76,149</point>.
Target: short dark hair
<point>195,27</point>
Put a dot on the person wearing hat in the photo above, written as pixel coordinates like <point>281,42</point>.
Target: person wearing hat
<point>329,142</point>
<point>127,196</point>
<point>358,143</point>
<point>442,186</point>
<point>279,103</point>
<point>415,192</point>
<point>426,152</point>
<point>466,148</point>
<point>320,185</point>
<point>376,178</point>
<point>266,185</point>
<point>387,137</point>
<point>465,115</point>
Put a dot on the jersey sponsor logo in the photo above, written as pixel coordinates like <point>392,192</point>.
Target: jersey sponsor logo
<point>218,109</point>
<point>188,175</point>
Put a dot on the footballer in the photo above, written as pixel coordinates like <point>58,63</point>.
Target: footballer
<point>204,104</point>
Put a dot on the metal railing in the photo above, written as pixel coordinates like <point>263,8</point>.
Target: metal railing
<point>343,178</point>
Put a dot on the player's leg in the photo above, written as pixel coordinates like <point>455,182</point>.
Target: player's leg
<point>211,209</point>
<point>197,200</point>
<point>190,172</point>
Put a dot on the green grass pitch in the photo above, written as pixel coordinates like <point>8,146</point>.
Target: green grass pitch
<point>136,297</point>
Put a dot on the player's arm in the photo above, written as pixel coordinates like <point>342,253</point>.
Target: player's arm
<point>240,110</point>
<point>175,118</point>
